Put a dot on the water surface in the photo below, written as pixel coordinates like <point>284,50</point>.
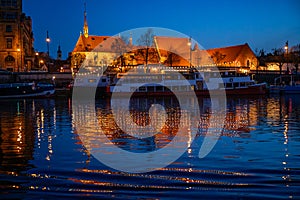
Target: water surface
<point>257,155</point>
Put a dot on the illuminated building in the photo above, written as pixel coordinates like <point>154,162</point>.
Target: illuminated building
<point>16,37</point>
<point>171,51</point>
<point>87,46</point>
<point>239,57</point>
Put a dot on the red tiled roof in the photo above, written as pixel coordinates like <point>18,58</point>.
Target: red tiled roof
<point>229,54</point>
<point>175,45</point>
<point>102,43</point>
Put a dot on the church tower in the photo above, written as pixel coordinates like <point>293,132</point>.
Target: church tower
<point>85,26</point>
<point>59,53</point>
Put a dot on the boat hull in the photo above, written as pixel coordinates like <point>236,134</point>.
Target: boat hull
<point>26,90</point>
<point>285,89</point>
<point>259,89</point>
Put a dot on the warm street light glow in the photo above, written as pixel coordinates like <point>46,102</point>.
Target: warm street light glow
<point>48,41</point>
<point>286,47</point>
<point>19,49</point>
<point>190,45</point>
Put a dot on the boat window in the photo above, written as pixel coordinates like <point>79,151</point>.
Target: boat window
<point>175,88</point>
<point>183,88</point>
<point>236,85</point>
<point>92,80</point>
<point>167,89</point>
<point>228,85</point>
<point>142,89</point>
<point>243,84</point>
<point>150,88</point>
<point>159,88</point>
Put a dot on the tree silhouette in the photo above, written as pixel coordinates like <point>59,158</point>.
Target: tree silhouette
<point>146,50</point>
<point>278,58</point>
<point>120,47</point>
<point>77,60</point>
<point>295,56</point>
<point>218,57</point>
<point>172,57</point>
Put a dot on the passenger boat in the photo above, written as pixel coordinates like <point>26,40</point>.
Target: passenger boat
<point>26,90</point>
<point>165,82</point>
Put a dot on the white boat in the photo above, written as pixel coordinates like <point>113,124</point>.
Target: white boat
<point>162,81</point>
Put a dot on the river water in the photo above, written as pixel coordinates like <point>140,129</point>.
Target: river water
<point>257,155</point>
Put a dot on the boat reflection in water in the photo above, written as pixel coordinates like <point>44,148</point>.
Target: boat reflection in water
<point>196,122</point>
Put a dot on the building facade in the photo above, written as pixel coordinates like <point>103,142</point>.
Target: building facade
<point>16,37</point>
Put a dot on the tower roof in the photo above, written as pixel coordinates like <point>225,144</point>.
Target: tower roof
<point>85,24</point>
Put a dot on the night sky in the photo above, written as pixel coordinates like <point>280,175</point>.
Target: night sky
<point>262,24</point>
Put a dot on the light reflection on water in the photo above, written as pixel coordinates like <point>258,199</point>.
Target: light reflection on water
<point>257,155</point>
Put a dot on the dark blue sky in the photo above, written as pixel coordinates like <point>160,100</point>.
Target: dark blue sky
<point>263,24</point>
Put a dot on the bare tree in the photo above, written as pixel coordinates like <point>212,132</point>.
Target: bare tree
<point>172,58</point>
<point>77,59</point>
<point>120,47</point>
<point>147,51</point>
<point>278,58</point>
<point>218,57</point>
<point>295,57</point>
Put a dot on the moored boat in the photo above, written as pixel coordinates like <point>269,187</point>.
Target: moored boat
<point>26,90</point>
<point>158,81</point>
<point>285,85</point>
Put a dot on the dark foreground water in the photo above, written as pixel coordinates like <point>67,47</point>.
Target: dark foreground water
<point>257,155</point>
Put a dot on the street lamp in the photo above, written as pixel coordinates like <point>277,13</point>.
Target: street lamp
<point>19,50</point>
<point>286,47</point>
<point>48,41</point>
<point>190,49</point>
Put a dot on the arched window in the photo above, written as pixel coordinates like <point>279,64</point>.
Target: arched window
<point>248,63</point>
<point>9,59</point>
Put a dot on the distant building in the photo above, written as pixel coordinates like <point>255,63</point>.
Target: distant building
<point>16,37</point>
<point>171,51</point>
